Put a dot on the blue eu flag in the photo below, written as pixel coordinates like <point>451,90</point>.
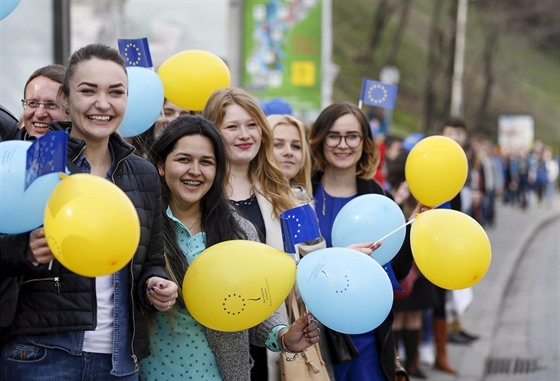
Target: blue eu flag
<point>299,225</point>
<point>46,155</point>
<point>136,52</point>
<point>378,94</point>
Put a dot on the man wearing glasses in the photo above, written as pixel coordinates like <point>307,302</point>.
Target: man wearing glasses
<point>40,102</point>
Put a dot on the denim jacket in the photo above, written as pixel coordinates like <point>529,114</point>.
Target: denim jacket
<point>124,360</point>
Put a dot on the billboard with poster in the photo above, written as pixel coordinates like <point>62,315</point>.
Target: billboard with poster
<point>282,51</point>
<point>516,131</point>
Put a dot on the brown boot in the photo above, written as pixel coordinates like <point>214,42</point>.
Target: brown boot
<point>440,338</point>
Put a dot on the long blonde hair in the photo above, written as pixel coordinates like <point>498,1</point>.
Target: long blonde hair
<point>263,169</point>
<point>303,177</point>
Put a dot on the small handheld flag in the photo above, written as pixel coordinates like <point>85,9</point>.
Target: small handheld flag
<point>299,225</point>
<point>46,155</point>
<point>378,94</point>
<point>392,277</point>
<point>136,52</point>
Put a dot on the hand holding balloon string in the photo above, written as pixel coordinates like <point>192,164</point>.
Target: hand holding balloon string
<point>419,209</point>
<point>38,249</point>
<point>161,293</point>
<point>303,333</point>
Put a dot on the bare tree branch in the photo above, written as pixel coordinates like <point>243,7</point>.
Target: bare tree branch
<point>397,36</point>
<point>380,19</point>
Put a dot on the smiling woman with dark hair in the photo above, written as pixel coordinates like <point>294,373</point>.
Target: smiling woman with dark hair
<point>72,327</point>
<point>192,161</point>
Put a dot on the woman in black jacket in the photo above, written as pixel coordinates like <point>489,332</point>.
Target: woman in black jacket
<point>73,327</point>
<point>345,159</point>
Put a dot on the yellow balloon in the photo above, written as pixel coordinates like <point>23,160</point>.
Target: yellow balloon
<point>450,248</point>
<point>191,76</point>
<point>436,170</point>
<point>235,285</point>
<point>91,225</point>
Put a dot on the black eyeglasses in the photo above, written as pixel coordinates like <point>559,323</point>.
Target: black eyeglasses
<point>352,140</point>
<point>36,104</point>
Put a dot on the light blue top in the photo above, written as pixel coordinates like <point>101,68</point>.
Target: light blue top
<point>178,343</point>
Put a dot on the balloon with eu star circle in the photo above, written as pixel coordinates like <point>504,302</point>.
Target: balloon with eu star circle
<point>91,225</point>
<point>191,76</point>
<point>21,210</point>
<point>344,289</point>
<point>368,218</point>
<point>145,101</point>
<point>7,7</point>
<point>235,285</point>
<point>450,248</point>
<point>436,170</point>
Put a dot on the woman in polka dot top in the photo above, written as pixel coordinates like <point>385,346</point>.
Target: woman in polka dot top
<point>192,162</point>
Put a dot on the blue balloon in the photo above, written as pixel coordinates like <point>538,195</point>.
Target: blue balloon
<point>344,289</point>
<point>368,218</point>
<point>145,101</point>
<point>411,140</point>
<point>7,7</point>
<point>21,210</point>
<point>277,106</point>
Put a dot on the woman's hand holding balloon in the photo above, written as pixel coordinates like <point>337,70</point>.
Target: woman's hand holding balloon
<point>370,218</point>
<point>302,334</point>
<point>161,293</point>
<point>38,250</point>
<point>366,247</point>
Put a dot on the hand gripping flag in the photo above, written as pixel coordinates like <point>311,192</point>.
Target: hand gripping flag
<point>378,94</point>
<point>136,52</point>
<point>299,225</point>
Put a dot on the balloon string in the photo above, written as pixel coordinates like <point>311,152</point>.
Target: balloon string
<point>298,258</point>
<point>394,231</point>
<point>400,227</point>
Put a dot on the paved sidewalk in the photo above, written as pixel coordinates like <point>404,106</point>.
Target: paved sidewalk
<point>511,234</point>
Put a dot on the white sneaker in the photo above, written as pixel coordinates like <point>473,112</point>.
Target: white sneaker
<point>426,351</point>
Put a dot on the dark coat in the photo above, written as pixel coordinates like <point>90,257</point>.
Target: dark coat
<point>9,285</point>
<point>8,125</point>
<point>401,265</point>
<point>59,300</point>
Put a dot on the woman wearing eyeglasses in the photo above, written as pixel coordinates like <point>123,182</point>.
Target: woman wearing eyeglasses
<point>345,160</point>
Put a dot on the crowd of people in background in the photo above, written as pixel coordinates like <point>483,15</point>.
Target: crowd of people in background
<point>520,178</point>
<point>230,163</point>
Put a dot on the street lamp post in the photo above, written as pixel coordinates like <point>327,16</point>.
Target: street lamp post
<point>391,75</point>
<point>458,65</point>
<point>61,32</point>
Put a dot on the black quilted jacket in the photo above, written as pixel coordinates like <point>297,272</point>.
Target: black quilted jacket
<point>58,300</point>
